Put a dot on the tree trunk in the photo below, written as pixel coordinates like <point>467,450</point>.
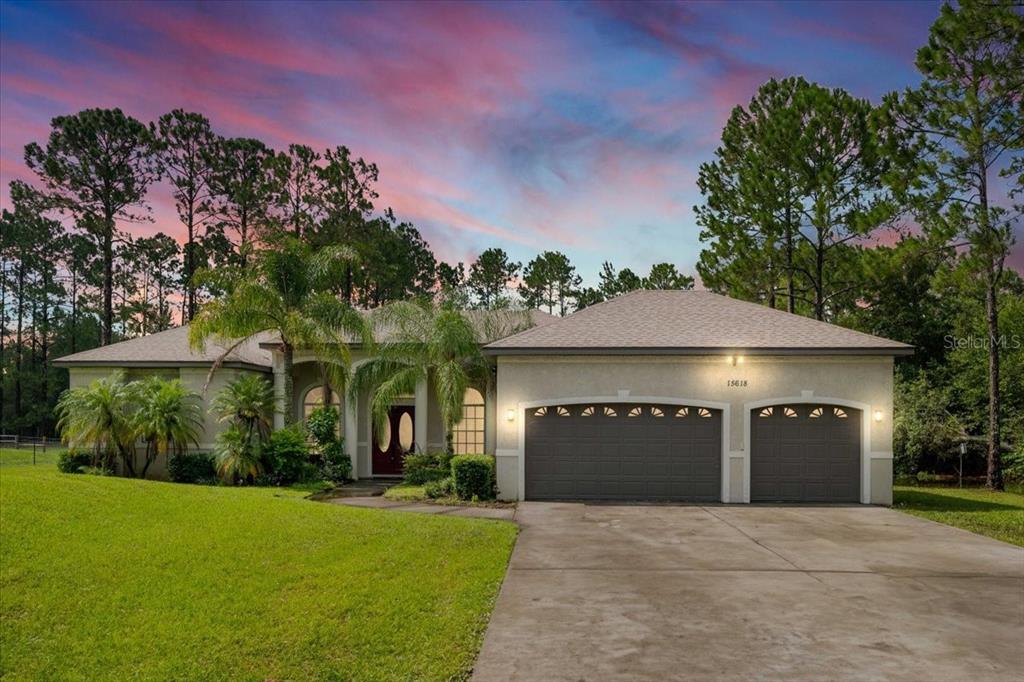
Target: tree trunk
<point>107,334</point>
<point>790,289</point>
<point>819,277</point>
<point>288,354</point>
<point>19,344</point>
<point>994,475</point>
<point>190,289</point>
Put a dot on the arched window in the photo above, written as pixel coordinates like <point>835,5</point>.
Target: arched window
<point>468,434</point>
<point>314,398</point>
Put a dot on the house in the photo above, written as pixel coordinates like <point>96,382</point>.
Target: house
<point>654,395</point>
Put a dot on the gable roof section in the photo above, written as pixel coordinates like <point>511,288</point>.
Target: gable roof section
<point>690,322</point>
<point>171,347</point>
<point>168,348</point>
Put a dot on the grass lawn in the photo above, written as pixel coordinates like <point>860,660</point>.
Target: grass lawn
<point>405,492</point>
<point>21,456</point>
<point>108,578</point>
<point>997,515</point>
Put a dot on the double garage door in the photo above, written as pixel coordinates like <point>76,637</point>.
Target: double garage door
<point>654,452</point>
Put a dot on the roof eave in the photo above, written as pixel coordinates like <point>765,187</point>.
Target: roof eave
<point>158,364</point>
<point>720,350</point>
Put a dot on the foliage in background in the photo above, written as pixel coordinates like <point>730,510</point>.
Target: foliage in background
<point>286,456</point>
<point>322,425</point>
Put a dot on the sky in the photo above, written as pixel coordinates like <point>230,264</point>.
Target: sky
<point>531,126</point>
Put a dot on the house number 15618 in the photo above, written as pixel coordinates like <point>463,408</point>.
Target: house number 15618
<point>736,383</point>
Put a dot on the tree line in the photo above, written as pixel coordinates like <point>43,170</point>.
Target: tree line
<point>807,179</point>
<point>73,277</point>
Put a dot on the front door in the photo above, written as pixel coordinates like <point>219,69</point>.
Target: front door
<point>390,446</point>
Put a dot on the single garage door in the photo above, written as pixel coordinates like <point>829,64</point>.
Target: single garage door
<point>623,452</point>
<point>805,453</point>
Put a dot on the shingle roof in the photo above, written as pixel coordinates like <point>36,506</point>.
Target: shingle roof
<point>689,321</point>
<point>168,347</point>
<point>171,347</point>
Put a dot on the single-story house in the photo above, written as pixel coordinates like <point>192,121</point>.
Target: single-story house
<point>654,395</point>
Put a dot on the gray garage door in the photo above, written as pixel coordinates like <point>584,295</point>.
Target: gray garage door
<point>805,453</point>
<point>623,452</point>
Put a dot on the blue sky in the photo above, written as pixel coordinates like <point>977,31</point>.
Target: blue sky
<point>572,126</point>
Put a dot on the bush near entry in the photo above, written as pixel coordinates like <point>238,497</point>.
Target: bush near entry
<point>424,468</point>
<point>473,477</point>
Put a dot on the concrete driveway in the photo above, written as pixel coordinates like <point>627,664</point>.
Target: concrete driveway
<point>599,592</point>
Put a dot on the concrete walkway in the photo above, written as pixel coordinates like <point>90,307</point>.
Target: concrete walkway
<point>502,513</point>
<point>753,593</point>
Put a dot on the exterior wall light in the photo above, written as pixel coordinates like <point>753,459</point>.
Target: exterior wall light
<point>878,415</point>
<point>731,359</point>
<point>739,359</point>
<point>510,414</point>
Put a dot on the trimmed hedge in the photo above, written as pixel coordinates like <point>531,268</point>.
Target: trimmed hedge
<point>191,467</point>
<point>419,469</point>
<point>72,462</point>
<point>473,477</point>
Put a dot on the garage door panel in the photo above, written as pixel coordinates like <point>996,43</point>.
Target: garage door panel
<point>805,453</point>
<point>640,457</point>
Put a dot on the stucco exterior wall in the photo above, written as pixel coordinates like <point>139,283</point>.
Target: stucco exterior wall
<point>865,380</point>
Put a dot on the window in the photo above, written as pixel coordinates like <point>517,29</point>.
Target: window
<point>609,412</point>
<point>789,412</point>
<point>704,412</point>
<point>587,411</point>
<point>656,412</point>
<point>540,412</point>
<point>563,411</point>
<point>766,412</point>
<point>468,435</point>
<point>683,412</point>
<point>635,412</point>
<point>314,398</point>
<point>839,413</point>
<point>816,412</point>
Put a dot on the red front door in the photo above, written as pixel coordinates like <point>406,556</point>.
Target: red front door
<point>388,448</point>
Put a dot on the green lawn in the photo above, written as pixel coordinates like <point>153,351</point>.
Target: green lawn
<point>997,515</point>
<point>21,456</point>
<point>108,578</point>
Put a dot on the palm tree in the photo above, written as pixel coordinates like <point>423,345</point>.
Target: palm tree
<point>235,455</point>
<point>424,342</point>
<point>168,418</point>
<point>288,291</point>
<point>100,417</point>
<point>246,405</point>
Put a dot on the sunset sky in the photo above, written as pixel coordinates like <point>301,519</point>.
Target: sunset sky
<point>569,126</point>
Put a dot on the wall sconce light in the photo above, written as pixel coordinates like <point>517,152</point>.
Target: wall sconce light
<point>739,359</point>
<point>878,415</point>
<point>734,359</point>
<point>510,414</point>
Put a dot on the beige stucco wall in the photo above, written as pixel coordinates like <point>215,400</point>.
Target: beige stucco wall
<point>712,379</point>
<point>194,379</point>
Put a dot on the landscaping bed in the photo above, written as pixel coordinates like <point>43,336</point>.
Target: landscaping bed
<point>408,492</point>
<point>998,515</point>
<point>115,578</point>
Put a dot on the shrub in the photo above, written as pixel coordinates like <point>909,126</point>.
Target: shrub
<point>286,455</point>
<point>323,425</point>
<point>473,476</point>
<point>441,488</point>
<point>424,468</point>
<point>1013,465</point>
<point>337,472</point>
<point>191,467</point>
<point>73,461</point>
